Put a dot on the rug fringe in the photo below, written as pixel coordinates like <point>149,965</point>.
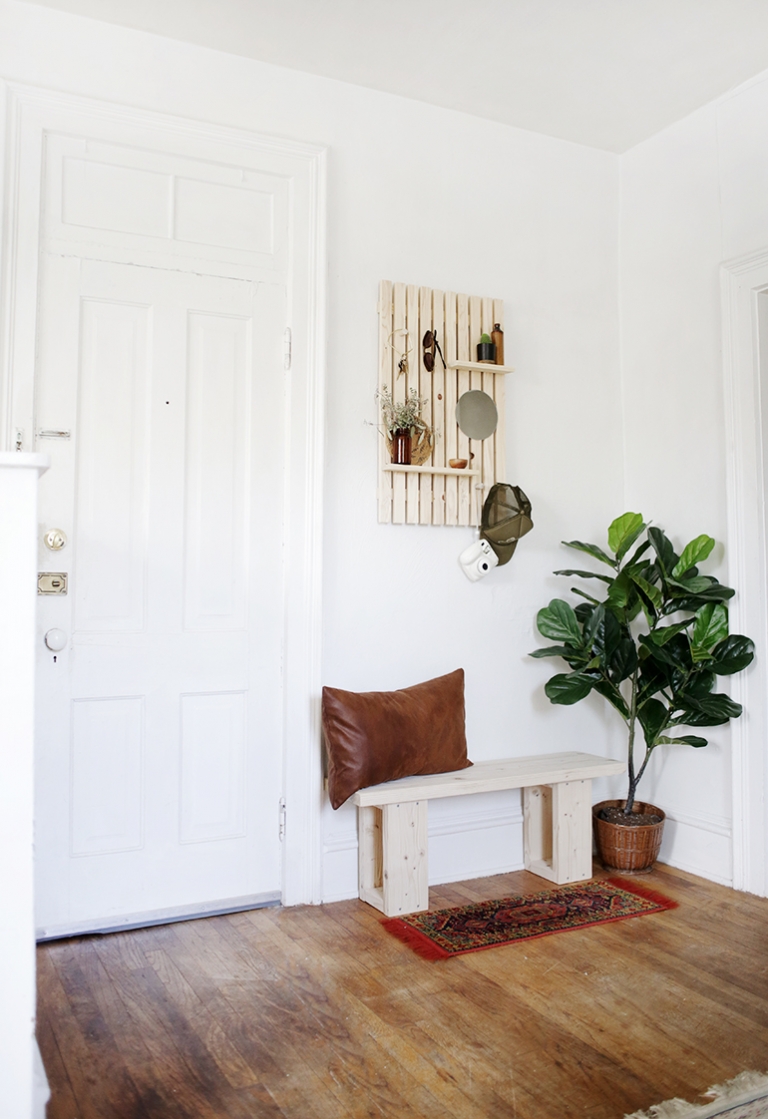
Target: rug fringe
<point>643,892</point>
<point>419,943</point>
<point>744,1088</point>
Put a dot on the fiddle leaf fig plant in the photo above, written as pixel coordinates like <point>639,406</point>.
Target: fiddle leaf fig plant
<point>653,645</point>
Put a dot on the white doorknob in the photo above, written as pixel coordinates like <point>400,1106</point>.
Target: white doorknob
<point>56,639</point>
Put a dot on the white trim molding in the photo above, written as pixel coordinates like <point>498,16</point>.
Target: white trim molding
<point>744,287</point>
<point>30,114</point>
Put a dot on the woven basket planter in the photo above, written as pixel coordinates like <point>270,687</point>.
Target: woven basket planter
<point>623,848</point>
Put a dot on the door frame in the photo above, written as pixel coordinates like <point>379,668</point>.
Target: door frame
<point>744,299</point>
<point>29,113</point>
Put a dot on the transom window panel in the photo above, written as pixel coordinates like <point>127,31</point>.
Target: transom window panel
<point>119,202</point>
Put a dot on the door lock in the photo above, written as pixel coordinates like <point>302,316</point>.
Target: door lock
<point>52,582</point>
<point>55,539</point>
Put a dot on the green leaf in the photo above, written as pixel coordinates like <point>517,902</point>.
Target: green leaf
<point>706,711</point>
<point>623,532</point>
<point>624,660</point>
<point>647,590</point>
<point>695,585</point>
<point>569,688</point>
<point>652,716</point>
<point>687,739</point>
<point>566,651</point>
<point>583,612</point>
<point>692,554</point>
<point>591,550</point>
<point>652,679</point>
<point>700,682</point>
<point>614,696</point>
<point>583,594</point>
<point>605,632</point>
<point>710,628</point>
<point>675,652</point>
<point>559,623</point>
<point>638,552</point>
<point>620,590</point>
<point>732,655</point>
<point>662,545</point>
<point>585,575</point>
<point>664,634</point>
<point>716,592</point>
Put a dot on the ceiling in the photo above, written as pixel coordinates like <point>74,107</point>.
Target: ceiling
<point>607,73</point>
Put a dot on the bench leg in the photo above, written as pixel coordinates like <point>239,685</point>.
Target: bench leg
<point>557,831</point>
<point>392,857</point>
<point>369,856</point>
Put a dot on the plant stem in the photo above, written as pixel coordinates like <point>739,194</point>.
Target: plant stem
<point>631,748</point>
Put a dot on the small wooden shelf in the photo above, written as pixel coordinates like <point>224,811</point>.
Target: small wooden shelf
<point>396,468</point>
<point>480,366</point>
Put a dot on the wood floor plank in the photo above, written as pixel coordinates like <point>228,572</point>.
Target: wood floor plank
<point>182,1068</point>
<point>346,1062</point>
<point>101,1082</point>
<point>262,1017</point>
<point>319,1013</point>
<point>64,1106</point>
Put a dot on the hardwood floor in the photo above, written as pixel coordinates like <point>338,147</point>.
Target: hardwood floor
<point>318,1013</point>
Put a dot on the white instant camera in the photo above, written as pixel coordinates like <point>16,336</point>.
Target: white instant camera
<point>478,559</point>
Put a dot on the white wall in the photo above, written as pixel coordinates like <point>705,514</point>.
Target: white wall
<point>18,1056</point>
<point>426,196</point>
<point>691,197</point>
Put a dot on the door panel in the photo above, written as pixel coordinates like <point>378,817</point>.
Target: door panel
<point>160,724</point>
<point>111,482</point>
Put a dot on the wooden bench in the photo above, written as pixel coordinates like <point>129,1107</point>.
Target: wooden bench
<point>557,823</point>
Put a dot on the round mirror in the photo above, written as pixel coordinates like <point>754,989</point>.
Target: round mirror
<point>476,414</point>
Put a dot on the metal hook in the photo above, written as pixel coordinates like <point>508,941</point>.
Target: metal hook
<point>402,365</point>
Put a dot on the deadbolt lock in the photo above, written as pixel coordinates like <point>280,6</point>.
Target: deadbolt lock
<point>55,539</point>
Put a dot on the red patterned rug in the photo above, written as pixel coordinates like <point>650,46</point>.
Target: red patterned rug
<point>486,924</point>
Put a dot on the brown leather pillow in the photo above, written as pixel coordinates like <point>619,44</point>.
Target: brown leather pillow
<point>379,736</point>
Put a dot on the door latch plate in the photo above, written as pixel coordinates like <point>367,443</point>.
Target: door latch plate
<point>52,582</point>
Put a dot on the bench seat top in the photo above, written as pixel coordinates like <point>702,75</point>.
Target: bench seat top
<point>490,776</point>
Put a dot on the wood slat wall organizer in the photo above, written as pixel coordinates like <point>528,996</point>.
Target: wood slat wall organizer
<point>435,493</point>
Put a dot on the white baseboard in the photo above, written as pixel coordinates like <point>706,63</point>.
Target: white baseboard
<point>700,843</point>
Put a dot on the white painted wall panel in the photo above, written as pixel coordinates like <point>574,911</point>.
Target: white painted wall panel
<point>216,511</point>
<point>119,199</point>
<point>111,489</point>
<point>230,217</point>
<point>212,766</point>
<point>107,775</point>
<point>692,198</point>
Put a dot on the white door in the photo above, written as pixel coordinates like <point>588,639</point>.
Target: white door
<point>159,398</point>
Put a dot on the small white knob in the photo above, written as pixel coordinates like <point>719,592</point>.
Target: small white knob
<point>55,539</point>
<point>56,640</point>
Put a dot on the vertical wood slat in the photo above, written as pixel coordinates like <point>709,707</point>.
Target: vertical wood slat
<point>475,385</point>
<point>489,386</point>
<point>440,417</point>
<point>426,391</point>
<point>463,354</point>
<point>399,388</point>
<point>405,313</point>
<point>414,378</point>
<point>385,378</point>
<point>499,449</point>
<point>451,430</point>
